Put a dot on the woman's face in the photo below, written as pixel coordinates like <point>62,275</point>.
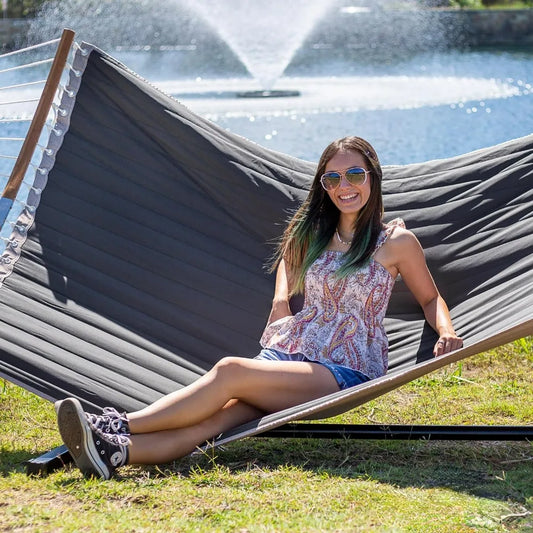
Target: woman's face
<point>348,198</point>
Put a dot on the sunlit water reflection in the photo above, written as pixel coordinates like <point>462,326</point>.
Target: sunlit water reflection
<point>428,106</point>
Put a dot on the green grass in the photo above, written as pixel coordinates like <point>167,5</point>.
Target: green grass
<point>302,485</point>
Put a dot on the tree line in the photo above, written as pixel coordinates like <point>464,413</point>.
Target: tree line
<point>17,9</point>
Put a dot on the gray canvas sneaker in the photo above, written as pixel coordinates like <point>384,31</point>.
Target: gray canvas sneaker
<point>94,452</point>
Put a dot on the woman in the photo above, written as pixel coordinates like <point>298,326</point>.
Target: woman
<point>337,251</point>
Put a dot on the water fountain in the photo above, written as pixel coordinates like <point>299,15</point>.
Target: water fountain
<point>247,26</point>
<point>377,68</point>
<point>263,37</point>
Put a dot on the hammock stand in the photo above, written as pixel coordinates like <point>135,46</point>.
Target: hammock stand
<point>60,456</point>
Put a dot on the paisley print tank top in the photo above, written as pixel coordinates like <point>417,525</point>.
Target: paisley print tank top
<point>341,320</point>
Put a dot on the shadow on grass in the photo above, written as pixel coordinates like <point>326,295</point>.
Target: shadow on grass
<point>496,470</point>
<point>12,461</point>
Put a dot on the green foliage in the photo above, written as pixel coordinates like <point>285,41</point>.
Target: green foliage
<point>502,3</point>
<point>22,8</point>
<point>470,4</point>
<point>479,4</point>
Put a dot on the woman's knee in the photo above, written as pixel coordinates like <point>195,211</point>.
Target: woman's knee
<point>229,367</point>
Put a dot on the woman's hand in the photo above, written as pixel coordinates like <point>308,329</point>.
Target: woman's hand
<point>448,342</point>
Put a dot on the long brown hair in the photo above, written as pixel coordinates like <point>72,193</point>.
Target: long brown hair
<point>311,228</point>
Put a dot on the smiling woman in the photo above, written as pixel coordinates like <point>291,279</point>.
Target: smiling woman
<point>335,342</point>
<point>343,214</point>
<point>352,191</point>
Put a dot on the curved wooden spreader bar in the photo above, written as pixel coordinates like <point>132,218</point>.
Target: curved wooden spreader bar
<point>39,118</point>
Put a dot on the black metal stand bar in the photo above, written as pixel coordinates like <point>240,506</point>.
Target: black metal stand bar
<point>59,457</point>
<point>48,462</point>
<point>400,432</point>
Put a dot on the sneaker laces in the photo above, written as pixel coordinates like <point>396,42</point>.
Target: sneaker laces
<point>109,422</point>
<point>117,439</point>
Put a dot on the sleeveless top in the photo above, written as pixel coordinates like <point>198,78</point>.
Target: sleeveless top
<point>341,321</point>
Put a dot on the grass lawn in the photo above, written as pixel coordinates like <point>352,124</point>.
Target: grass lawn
<point>302,485</point>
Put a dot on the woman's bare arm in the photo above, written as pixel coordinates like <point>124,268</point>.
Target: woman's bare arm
<point>280,302</point>
<point>412,266</point>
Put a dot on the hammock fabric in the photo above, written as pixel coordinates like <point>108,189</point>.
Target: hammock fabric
<point>145,259</point>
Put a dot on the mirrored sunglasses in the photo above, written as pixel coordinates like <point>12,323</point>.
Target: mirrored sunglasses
<point>354,176</point>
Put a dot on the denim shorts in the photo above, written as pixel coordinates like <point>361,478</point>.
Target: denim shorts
<point>345,377</point>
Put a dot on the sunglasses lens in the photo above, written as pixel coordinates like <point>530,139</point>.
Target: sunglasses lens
<point>356,176</point>
<point>330,180</point>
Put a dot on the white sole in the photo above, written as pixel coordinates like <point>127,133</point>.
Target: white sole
<point>78,438</point>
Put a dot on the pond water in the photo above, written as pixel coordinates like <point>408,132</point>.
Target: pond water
<point>412,108</point>
<point>416,108</point>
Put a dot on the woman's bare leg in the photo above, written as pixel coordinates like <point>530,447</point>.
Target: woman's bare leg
<point>165,446</point>
<point>268,386</point>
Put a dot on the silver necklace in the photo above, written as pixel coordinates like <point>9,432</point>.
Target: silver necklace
<point>340,240</point>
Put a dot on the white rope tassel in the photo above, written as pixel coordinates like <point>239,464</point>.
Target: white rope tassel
<point>22,85</point>
<point>83,51</point>
<point>27,49</point>
<point>59,110</point>
<point>27,65</point>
